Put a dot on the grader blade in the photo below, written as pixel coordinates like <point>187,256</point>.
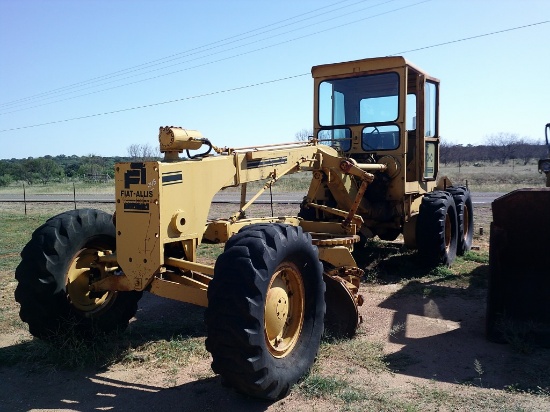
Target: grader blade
<point>342,300</point>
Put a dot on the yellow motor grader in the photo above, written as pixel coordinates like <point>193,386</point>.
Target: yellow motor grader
<point>280,280</point>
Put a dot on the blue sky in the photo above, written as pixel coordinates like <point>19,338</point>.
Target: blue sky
<point>62,59</point>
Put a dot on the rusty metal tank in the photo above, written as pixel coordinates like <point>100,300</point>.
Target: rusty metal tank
<point>519,258</point>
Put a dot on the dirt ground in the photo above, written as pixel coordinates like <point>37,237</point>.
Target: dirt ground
<point>440,343</point>
<point>434,344</point>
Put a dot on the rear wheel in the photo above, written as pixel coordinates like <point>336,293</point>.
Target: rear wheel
<point>265,310</point>
<point>465,217</point>
<point>54,275</point>
<point>437,229</point>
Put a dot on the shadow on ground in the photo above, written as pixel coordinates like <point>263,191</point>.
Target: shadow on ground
<point>25,386</point>
<point>438,332</point>
<point>437,325</point>
<point>84,391</point>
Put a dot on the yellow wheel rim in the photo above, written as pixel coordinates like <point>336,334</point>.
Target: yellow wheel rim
<point>78,284</point>
<point>284,310</point>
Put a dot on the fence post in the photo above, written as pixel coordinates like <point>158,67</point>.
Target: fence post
<point>74,196</point>
<point>25,199</point>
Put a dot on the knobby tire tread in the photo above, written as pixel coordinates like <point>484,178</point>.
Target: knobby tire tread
<point>234,317</point>
<point>42,277</point>
<point>430,229</point>
<point>463,199</point>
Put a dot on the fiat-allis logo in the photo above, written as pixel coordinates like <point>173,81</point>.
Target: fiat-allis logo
<point>136,175</point>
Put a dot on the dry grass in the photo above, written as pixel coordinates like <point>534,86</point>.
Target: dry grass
<point>495,177</point>
<point>480,176</point>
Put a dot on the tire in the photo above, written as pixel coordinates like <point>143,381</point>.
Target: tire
<point>253,348</point>
<point>437,229</point>
<point>465,217</point>
<point>53,278</point>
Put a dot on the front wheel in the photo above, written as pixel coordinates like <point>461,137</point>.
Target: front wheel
<point>437,229</point>
<point>266,310</point>
<point>54,275</point>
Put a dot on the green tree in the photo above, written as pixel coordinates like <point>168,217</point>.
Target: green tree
<point>93,168</point>
<point>5,180</point>
<point>41,170</point>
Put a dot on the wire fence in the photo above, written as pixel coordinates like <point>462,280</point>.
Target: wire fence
<point>79,197</point>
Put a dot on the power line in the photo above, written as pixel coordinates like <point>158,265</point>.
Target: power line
<point>265,82</point>
<point>471,38</point>
<point>195,50</point>
<point>60,92</point>
<point>229,57</point>
<point>157,104</point>
<point>223,51</point>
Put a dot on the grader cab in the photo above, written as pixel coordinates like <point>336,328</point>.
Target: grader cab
<point>385,111</point>
<point>280,280</point>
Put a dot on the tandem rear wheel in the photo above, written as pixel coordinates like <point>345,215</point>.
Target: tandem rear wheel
<point>437,229</point>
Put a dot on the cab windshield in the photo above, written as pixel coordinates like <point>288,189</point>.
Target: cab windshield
<point>359,100</point>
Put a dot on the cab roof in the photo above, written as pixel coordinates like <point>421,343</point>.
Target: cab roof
<point>363,66</point>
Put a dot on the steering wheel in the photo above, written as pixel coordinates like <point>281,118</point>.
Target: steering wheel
<point>366,142</point>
